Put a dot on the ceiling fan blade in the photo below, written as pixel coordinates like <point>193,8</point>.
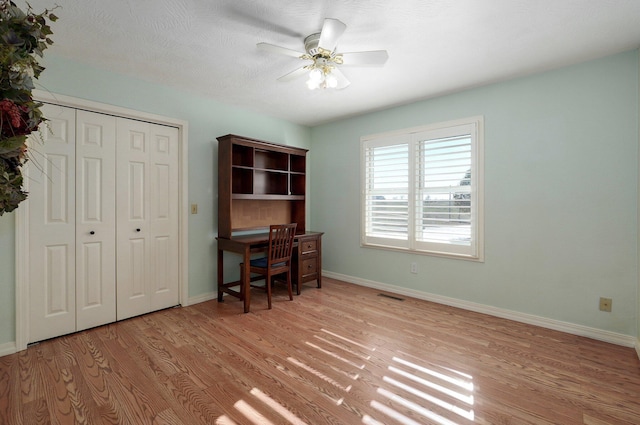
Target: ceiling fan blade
<point>331,32</point>
<point>343,82</point>
<point>293,74</point>
<point>280,50</point>
<point>374,57</point>
<point>249,17</point>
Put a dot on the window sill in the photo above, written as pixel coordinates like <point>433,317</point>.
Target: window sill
<point>477,259</point>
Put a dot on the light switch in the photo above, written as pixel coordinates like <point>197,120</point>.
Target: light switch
<point>194,208</point>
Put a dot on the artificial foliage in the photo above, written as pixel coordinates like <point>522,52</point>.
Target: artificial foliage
<point>25,36</point>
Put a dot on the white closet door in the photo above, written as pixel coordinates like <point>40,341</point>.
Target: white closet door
<point>95,219</point>
<point>51,180</point>
<point>147,217</point>
<point>163,214</point>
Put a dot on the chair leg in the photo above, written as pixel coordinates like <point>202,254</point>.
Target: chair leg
<point>289,286</point>
<point>267,282</point>
<point>241,280</point>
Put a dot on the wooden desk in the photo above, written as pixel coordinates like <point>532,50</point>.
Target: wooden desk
<point>306,262</point>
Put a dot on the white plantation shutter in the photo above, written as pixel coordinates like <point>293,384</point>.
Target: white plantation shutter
<point>422,189</point>
<point>445,182</point>
<point>387,194</point>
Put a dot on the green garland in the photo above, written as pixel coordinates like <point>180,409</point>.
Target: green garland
<point>24,36</point>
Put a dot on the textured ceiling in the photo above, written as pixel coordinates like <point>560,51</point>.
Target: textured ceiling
<point>435,46</point>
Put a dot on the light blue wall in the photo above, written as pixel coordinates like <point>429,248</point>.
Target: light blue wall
<point>207,120</point>
<point>561,164</point>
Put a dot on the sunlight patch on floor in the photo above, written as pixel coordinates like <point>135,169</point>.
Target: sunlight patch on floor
<point>336,356</point>
<point>333,344</point>
<point>414,388</point>
<point>461,379</point>
<point>392,413</point>
<point>468,399</point>
<point>252,414</point>
<point>350,341</point>
<point>319,374</point>
<point>225,420</point>
<point>277,407</point>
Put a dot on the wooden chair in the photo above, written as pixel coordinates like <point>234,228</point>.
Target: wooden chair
<point>278,258</point>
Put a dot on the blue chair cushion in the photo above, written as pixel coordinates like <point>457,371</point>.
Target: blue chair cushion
<point>262,262</point>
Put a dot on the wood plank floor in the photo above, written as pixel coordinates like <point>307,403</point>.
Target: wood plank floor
<point>337,355</point>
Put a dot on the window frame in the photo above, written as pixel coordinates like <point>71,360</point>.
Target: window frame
<point>473,126</point>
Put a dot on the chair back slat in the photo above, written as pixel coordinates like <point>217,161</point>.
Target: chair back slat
<point>281,242</point>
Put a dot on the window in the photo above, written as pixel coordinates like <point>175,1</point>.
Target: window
<point>422,189</point>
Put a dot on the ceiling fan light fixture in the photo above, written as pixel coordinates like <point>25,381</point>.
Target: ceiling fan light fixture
<point>321,75</point>
<point>312,84</point>
<point>316,74</point>
<point>326,81</point>
<point>320,48</point>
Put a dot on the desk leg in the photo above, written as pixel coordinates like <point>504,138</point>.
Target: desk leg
<point>320,262</point>
<point>220,274</point>
<point>246,279</point>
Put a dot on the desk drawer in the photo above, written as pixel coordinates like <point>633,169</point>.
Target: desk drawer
<point>309,266</point>
<point>309,246</point>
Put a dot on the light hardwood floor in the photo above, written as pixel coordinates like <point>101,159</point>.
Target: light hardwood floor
<point>337,355</point>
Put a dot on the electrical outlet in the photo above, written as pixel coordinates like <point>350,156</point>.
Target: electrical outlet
<point>194,208</point>
<point>605,304</point>
<point>414,268</point>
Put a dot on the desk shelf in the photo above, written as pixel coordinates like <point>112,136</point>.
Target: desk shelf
<point>259,183</point>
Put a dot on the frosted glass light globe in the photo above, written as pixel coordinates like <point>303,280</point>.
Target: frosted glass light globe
<point>332,81</point>
<point>316,74</point>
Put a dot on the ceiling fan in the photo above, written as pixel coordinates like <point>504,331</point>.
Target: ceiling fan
<point>320,49</point>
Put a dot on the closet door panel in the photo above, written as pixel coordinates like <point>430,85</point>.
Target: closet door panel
<point>147,217</point>
<point>136,191</point>
<point>133,257</point>
<point>95,219</point>
<point>163,214</point>
<point>51,186</point>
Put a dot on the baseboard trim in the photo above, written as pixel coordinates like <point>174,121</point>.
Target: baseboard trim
<point>8,348</point>
<point>571,328</point>
<point>638,347</point>
<point>202,298</point>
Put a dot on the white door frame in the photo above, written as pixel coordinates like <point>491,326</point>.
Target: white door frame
<point>22,213</point>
